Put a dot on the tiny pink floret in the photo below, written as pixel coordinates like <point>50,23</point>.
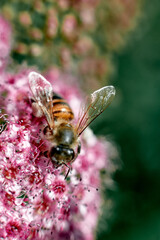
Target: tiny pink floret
<point>33,192</point>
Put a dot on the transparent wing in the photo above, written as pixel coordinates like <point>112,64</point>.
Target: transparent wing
<point>42,93</point>
<point>94,106</point>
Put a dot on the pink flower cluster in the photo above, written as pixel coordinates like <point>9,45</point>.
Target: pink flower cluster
<point>36,202</point>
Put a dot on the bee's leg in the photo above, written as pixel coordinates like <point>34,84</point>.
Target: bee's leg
<point>45,154</point>
<point>69,169</point>
<point>36,110</point>
<point>48,162</point>
<point>58,165</point>
<point>48,133</point>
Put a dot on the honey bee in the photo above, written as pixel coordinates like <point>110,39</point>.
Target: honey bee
<point>60,130</point>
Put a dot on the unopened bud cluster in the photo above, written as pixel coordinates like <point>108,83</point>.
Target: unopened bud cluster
<point>78,36</point>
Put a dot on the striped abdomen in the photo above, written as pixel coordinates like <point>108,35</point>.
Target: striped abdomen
<point>61,109</point>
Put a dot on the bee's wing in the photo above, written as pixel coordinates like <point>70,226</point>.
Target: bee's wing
<point>94,106</point>
<point>42,93</point>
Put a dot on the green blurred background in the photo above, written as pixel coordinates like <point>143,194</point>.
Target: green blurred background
<point>133,121</point>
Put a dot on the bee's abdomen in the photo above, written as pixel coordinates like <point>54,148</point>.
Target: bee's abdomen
<point>61,109</point>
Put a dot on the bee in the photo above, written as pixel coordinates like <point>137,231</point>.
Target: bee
<point>60,131</point>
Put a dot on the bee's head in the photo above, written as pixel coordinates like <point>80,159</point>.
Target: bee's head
<point>60,154</point>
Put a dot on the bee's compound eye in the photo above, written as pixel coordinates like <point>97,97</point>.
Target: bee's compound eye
<point>70,153</point>
<point>54,153</point>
